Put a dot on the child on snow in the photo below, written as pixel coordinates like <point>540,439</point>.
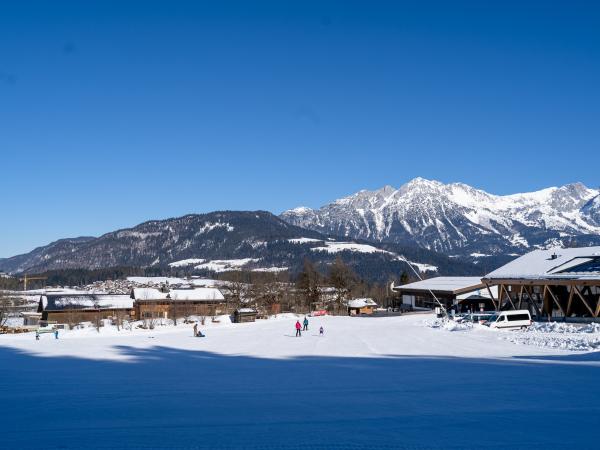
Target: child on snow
<point>298,328</point>
<point>305,324</point>
<point>321,331</point>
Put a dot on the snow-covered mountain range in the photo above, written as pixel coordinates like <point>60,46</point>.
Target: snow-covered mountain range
<point>224,241</point>
<point>457,219</point>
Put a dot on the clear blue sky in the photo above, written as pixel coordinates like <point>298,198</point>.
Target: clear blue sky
<point>112,113</point>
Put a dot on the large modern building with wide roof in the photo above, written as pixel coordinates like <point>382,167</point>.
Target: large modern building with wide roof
<point>461,293</point>
<point>560,282</point>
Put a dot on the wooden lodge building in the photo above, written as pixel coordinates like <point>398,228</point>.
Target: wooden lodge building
<point>360,306</point>
<point>555,283</point>
<point>151,303</point>
<point>71,308</point>
<point>68,307</point>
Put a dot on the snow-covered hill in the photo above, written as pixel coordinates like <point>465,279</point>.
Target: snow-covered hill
<point>458,219</point>
<point>224,241</point>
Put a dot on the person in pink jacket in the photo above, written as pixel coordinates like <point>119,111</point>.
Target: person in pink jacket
<point>298,328</point>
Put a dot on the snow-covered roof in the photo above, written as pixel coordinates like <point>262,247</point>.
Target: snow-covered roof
<point>197,294</point>
<point>567,263</point>
<point>361,302</point>
<point>149,294</point>
<point>245,310</point>
<point>453,285</point>
<point>57,302</point>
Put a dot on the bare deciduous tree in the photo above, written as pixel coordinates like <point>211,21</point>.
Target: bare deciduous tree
<point>308,283</point>
<point>5,307</point>
<point>343,279</point>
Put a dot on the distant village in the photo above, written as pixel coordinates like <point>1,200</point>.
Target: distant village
<point>553,284</point>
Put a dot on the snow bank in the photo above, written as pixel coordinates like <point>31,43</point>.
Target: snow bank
<point>449,325</point>
<point>558,335</point>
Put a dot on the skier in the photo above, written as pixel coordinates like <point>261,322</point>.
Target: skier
<point>305,324</point>
<point>55,334</point>
<point>37,336</point>
<point>321,331</point>
<point>298,328</point>
<point>195,329</point>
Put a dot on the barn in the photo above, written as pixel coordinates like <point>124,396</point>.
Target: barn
<point>72,308</point>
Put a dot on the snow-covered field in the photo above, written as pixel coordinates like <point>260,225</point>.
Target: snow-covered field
<point>367,383</point>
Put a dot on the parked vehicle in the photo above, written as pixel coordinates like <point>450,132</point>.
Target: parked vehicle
<point>510,319</point>
<point>480,317</point>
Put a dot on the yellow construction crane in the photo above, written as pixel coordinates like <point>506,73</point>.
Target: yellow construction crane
<point>26,278</point>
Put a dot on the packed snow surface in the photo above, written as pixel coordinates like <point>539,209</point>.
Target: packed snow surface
<point>186,262</point>
<point>389,382</point>
<point>225,265</point>
<point>336,247</point>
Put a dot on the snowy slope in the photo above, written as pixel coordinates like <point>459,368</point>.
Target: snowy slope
<point>366,384</point>
<point>459,219</point>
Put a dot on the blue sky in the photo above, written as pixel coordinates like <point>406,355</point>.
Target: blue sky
<point>112,113</point>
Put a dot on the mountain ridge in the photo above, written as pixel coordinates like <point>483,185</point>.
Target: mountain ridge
<point>458,219</point>
<point>223,240</point>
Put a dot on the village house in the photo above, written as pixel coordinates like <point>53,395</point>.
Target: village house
<point>152,303</point>
<point>359,306</point>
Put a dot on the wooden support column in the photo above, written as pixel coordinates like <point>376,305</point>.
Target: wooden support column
<point>508,295</point>
<point>555,300</point>
<point>532,301</point>
<point>571,293</point>
<point>492,297</point>
<point>584,300</point>
<point>521,295</point>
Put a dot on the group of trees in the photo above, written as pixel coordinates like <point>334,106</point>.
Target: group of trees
<point>329,287</point>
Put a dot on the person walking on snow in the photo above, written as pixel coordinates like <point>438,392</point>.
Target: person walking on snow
<point>321,331</point>
<point>55,334</point>
<point>298,328</point>
<point>195,329</point>
<point>305,324</point>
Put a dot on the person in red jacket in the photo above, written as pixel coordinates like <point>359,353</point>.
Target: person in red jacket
<point>298,328</point>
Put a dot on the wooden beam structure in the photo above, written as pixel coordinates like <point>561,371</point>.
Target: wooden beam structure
<point>571,293</point>
<point>549,290</point>
<point>521,295</point>
<point>532,301</point>
<point>508,295</point>
<point>587,305</point>
<point>558,294</point>
<point>492,297</point>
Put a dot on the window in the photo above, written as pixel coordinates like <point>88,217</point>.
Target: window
<point>515,317</point>
<point>592,266</point>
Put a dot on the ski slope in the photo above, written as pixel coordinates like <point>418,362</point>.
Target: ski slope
<point>367,383</point>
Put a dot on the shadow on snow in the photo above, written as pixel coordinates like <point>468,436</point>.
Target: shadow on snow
<point>171,398</point>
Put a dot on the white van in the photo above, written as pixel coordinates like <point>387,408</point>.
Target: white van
<point>510,319</point>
